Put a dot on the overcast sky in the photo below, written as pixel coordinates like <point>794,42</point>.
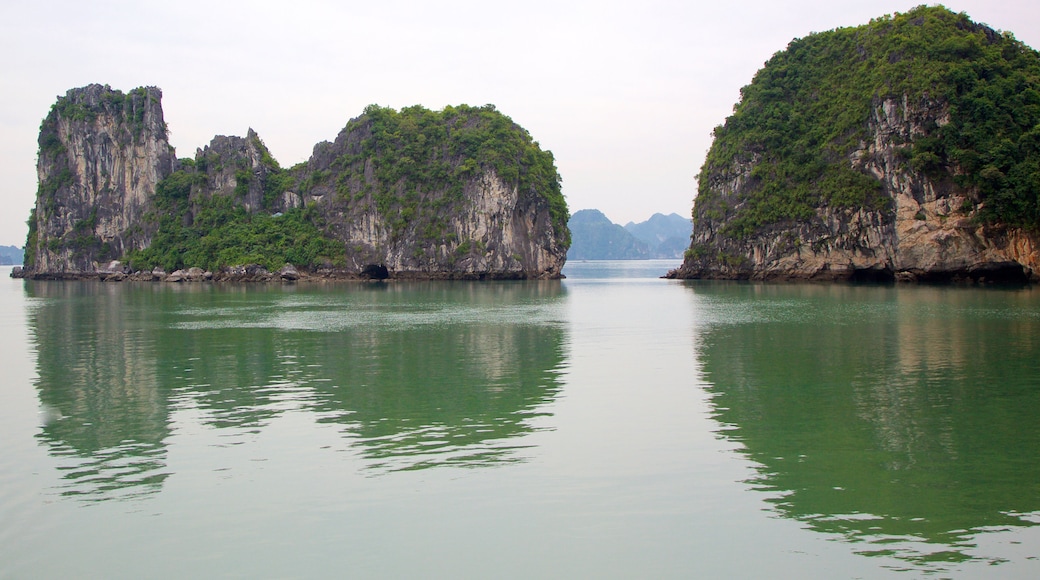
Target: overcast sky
<point>625,94</point>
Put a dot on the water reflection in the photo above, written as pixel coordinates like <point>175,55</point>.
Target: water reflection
<point>902,419</point>
<point>414,375</point>
<point>107,414</point>
<point>442,394</point>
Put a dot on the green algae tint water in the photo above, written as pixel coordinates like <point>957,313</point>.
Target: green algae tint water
<point>610,425</point>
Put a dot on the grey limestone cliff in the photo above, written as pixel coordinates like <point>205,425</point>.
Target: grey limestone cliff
<point>925,233</point>
<point>464,193</point>
<point>905,149</point>
<point>101,155</point>
<point>454,216</point>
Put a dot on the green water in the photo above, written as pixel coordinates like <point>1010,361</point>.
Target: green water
<point>904,420</point>
<point>612,424</point>
<point>415,374</point>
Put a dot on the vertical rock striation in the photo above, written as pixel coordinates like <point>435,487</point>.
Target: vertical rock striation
<point>101,155</point>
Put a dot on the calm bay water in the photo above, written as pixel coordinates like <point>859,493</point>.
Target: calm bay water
<point>612,424</point>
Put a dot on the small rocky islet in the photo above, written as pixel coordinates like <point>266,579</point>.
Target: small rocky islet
<point>906,149</point>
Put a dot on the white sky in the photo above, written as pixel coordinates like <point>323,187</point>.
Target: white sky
<point>625,94</point>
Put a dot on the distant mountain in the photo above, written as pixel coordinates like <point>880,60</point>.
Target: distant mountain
<point>11,255</point>
<point>595,237</point>
<point>668,236</point>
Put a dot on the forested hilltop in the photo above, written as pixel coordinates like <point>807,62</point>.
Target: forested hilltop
<point>459,193</point>
<point>905,148</point>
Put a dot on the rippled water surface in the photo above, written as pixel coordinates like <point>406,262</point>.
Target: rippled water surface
<point>610,425</point>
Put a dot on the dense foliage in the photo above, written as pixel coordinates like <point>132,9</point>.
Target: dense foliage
<point>212,232</point>
<point>807,110</point>
<point>423,155</point>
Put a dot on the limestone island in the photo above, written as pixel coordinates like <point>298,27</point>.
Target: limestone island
<point>461,193</point>
<point>906,149</point>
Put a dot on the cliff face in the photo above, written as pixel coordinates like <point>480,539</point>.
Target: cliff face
<point>236,166</point>
<point>926,230</point>
<point>413,192</point>
<point>909,188</point>
<point>101,155</point>
<point>463,193</point>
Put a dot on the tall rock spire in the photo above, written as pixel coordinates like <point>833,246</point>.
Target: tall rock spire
<point>102,152</point>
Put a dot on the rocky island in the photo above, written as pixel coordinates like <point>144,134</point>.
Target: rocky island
<point>461,193</point>
<point>904,149</point>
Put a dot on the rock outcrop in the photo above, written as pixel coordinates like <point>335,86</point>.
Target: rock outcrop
<point>101,155</point>
<point>915,189</point>
<point>238,166</point>
<point>459,194</point>
<point>433,208</point>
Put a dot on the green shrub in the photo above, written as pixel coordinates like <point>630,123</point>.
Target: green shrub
<point>215,232</point>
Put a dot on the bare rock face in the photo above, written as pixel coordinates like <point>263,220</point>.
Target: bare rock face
<point>492,231</point>
<point>102,153</point>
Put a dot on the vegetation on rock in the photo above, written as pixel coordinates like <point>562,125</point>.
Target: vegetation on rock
<point>100,153</point>
<point>212,232</point>
<point>459,193</point>
<point>806,112</point>
<point>409,167</point>
<point>416,160</point>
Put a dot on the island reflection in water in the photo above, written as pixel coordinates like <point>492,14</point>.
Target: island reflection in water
<point>416,374</point>
<point>901,418</point>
